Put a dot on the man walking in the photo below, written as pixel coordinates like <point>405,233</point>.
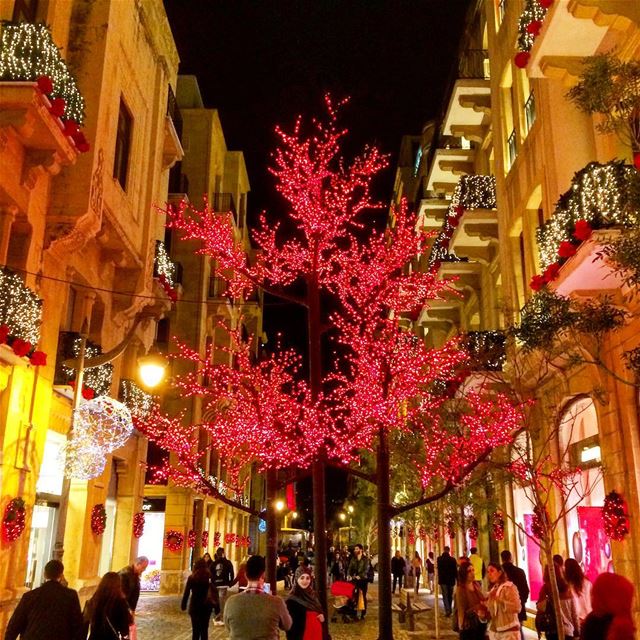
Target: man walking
<point>130,579</point>
<point>397,570</point>
<point>223,575</point>
<point>254,614</point>
<point>447,573</point>
<point>519,578</point>
<point>478,566</point>
<point>50,611</point>
<point>358,571</point>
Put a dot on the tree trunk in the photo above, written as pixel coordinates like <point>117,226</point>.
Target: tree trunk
<point>272,532</point>
<point>555,594</point>
<point>318,469</point>
<point>385,621</point>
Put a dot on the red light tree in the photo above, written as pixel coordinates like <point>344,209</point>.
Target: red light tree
<point>383,379</point>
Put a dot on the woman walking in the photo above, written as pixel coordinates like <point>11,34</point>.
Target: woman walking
<point>202,600</point>
<point>469,601</point>
<point>416,565</point>
<point>502,605</point>
<point>580,587</point>
<point>107,611</point>
<point>305,609</point>
<point>570,622</point>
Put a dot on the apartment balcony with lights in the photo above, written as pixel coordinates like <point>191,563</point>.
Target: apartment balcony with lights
<point>601,207</point>
<point>571,30</point>
<point>167,277</point>
<point>453,158</point>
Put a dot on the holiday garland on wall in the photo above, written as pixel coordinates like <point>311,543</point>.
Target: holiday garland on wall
<point>138,524</point>
<point>615,517</point>
<point>13,521</point>
<point>497,525</point>
<point>191,538</point>
<point>539,522</point>
<point>173,540</point>
<point>529,26</point>
<point>98,519</point>
<point>165,271</point>
<point>97,379</point>
<point>138,401</point>
<point>20,317</point>
<point>205,539</point>
<point>472,528</point>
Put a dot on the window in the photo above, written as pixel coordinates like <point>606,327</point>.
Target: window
<point>530,111</point>
<point>123,144</point>
<point>25,11</point>
<point>512,149</point>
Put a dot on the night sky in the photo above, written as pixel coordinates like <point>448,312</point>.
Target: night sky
<point>261,63</point>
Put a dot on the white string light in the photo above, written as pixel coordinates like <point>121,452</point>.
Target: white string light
<point>138,401</point>
<point>20,308</point>
<point>164,266</point>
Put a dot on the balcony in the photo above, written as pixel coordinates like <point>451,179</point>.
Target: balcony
<point>604,197</point>
<point>164,268</point>
<point>20,309</point>
<point>98,379</point>
<point>172,150</point>
<point>572,30</point>
<point>178,184</point>
<point>224,203</point>
<point>450,161</point>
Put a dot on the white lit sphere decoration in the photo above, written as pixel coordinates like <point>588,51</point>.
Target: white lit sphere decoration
<point>100,426</point>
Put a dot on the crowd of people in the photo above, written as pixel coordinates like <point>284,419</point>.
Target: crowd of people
<point>601,611</point>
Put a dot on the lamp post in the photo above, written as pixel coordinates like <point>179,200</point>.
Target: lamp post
<point>350,510</point>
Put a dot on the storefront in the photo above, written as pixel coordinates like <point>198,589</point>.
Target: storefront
<point>151,543</point>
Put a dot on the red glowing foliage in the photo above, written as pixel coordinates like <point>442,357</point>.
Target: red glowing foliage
<point>138,524</point>
<point>13,521</point>
<point>191,538</point>
<point>173,540</point>
<point>98,519</point>
<point>205,539</point>
<point>497,526</point>
<point>615,517</point>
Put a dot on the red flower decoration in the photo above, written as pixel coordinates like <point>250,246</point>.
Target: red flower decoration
<point>567,249</point>
<point>545,4</point>
<point>21,347</point>
<point>57,107</point>
<point>551,272</point>
<point>534,27</point>
<point>71,128</point>
<point>14,520</point>
<point>537,282</point>
<point>522,59</point>
<point>582,230</point>
<point>88,393</point>
<point>4,333</point>
<point>38,359</point>
<point>98,519</point>
<point>44,84</point>
<point>173,540</point>
<point>81,142</point>
<point>191,538</point>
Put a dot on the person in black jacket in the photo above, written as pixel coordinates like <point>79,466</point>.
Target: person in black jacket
<point>108,611</point>
<point>130,577</point>
<point>397,570</point>
<point>202,600</point>
<point>519,578</point>
<point>50,611</point>
<point>222,578</point>
<point>304,608</point>
<point>447,575</point>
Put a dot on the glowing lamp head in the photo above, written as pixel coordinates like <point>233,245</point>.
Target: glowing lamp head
<point>279,505</point>
<point>342,517</point>
<point>350,508</point>
<point>152,368</point>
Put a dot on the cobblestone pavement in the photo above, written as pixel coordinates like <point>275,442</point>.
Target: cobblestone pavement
<point>160,618</point>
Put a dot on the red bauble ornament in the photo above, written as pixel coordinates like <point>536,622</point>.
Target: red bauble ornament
<point>57,107</point>
<point>21,347</point>
<point>88,393</point>
<point>14,520</point>
<point>98,519</point>
<point>534,27</point>
<point>45,84</point>
<point>173,540</point>
<point>191,538</point>
<point>522,59</point>
<point>205,539</point>
<point>38,359</point>
<point>615,517</point>
<point>582,231</point>
<point>567,249</point>
<point>138,524</point>
<point>497,525</point>
<point>537,282</point>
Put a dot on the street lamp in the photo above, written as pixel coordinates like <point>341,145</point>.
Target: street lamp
<point>152,368</point>
<point>279,505</point>
<point>350,509</point>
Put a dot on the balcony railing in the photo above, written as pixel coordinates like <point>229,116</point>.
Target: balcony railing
<point>473,64</point>
<point>98,379</point>
<point>530,111</point>
<point>20,308</point>
<point>486,350</point>
<point>178,181</point>
<point>28,52</point>
<point>164,268</point>
<point>512,148</point>
<point>173,111</point>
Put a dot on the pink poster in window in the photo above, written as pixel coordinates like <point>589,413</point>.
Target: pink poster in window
<point>533,560</point>
<point>590,545</point>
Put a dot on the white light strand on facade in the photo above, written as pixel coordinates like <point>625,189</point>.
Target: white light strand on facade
<point>164,265</point>
<point>20,308</point>
<point>138,401</point>
<point>28,52</point>
<point>533,13</point>
<point>600,195</point>
<point>96,378</point>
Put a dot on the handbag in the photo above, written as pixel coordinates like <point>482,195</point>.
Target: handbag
<point>471,621</point>
<point>116,634</point>
<point>545,621</point>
